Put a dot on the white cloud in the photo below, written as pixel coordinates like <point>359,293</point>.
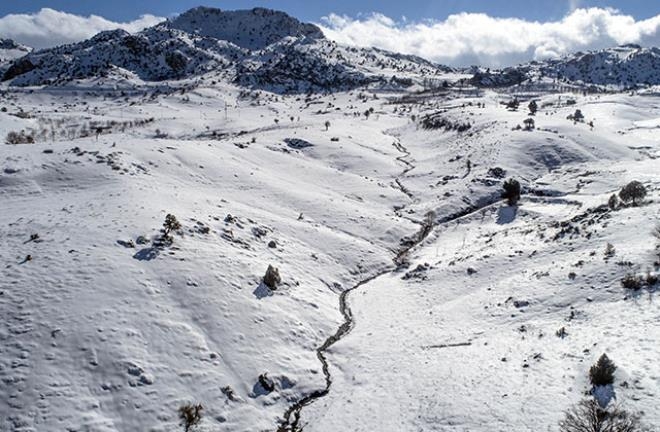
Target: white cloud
<point>469,38</point>
<point>49,27</point>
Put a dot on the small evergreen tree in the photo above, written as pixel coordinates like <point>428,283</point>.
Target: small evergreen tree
<point>533,107</point>
<point>511,191</point>
<point>170,225</point>
<point>602,373</point>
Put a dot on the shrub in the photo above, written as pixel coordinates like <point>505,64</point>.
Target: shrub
<point>533,107</point>
<point>529,124</point>
<point>613,202</point>
<point>497,172</point>
<point>171,224</point>
<point>513,104</point>
<point>633,191</point>
<point>511,191</point>
<point>609,251</point>
<point>602,373</point>
<point>630,281</point>
<point>577,116</point>
<point>588,416</point>
<point>272,277</point>
<point>19,138</point>
<point>190,415</point>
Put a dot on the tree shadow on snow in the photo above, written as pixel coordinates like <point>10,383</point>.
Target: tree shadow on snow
<point>507,214</point>
<point>603,394</point>
<point>147,254</point>
<point>262,291</point>
<point>258,390</point>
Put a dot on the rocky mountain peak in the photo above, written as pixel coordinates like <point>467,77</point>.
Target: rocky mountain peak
<point>252,29</point>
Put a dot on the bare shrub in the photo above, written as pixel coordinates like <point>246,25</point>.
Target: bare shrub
<point>190,415</point>
<point>19,138</point>
<point>632,282</point>
<point>588,416</point>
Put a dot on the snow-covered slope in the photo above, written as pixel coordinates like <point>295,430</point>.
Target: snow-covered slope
<point>252,29</point>
<point>624,66</point>
<point>412,297</point>
<point>259,47</point>
<point>105,330</point>
<point>10,50</point>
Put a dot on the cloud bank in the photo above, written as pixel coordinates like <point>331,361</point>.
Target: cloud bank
<point>477,39</point>
<point>49,27</point>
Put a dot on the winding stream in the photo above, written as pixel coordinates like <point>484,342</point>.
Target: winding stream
<point>291,421</point>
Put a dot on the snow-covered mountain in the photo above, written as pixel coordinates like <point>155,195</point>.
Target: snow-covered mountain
<point>258,47</point>
<point>409,295</point>
<point>251,29</point>
<point>623,66</point>
<point>11,50</point>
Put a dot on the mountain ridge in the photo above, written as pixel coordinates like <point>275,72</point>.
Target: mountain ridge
<point>269,49</point>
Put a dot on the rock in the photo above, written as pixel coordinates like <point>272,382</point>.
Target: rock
<point>520,303</point>
<point>126,244</point>
<point>146,379</point>
<point>142,240</point>
<point>297,143</point>
<point>272,277</point>
<point>229,392</point>
<point>259,231</point>
<point>18,67</point>
<point>471,271</point>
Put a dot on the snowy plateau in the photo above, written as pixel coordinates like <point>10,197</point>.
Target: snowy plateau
<point>405,293</point>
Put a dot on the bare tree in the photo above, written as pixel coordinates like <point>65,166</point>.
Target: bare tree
<point>588,416</point>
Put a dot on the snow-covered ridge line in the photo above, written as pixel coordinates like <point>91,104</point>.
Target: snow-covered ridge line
<point>626,66</point>
<point>11,50</point>
<point>259,48</point>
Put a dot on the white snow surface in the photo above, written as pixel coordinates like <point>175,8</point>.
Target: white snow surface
<point>98,336</point>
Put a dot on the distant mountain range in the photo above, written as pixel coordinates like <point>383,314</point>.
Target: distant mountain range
<point>262,48</point>
<point>624,66</point>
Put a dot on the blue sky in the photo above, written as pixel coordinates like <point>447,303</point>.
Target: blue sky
<point>313,10</point>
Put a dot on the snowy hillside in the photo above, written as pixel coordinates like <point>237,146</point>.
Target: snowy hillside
<point>10,50</point>
<point>624,66</point>
<point>254,29</point>
<point>260,48</point>
<point>339,260</point>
